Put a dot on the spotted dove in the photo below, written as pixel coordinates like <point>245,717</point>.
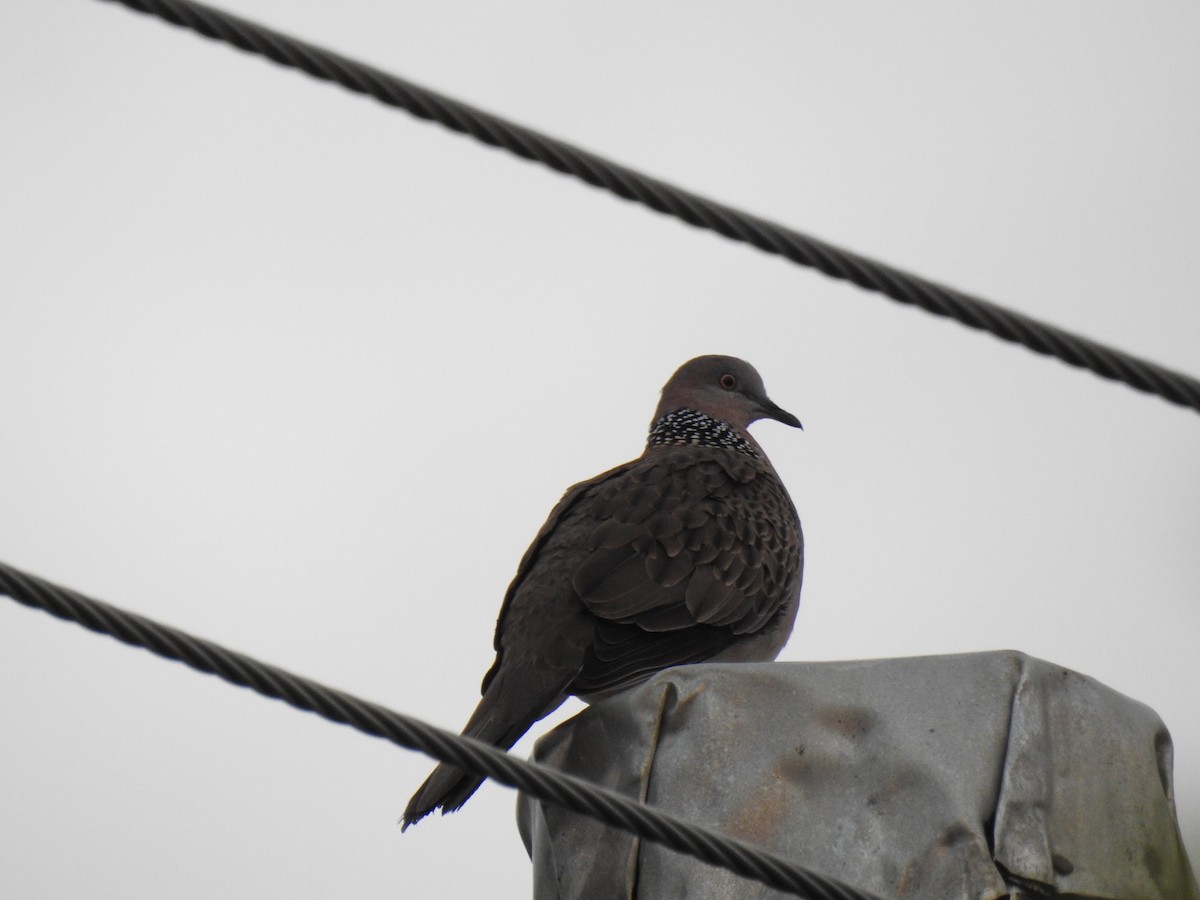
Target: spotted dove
<point>690,552</point>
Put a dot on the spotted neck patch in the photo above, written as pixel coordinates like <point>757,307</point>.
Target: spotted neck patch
<point>695,429</point>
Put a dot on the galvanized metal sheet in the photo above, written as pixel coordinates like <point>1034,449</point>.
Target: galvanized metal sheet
<point>973,776</point>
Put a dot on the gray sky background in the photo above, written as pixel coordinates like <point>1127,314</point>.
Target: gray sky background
<point>304,375</point>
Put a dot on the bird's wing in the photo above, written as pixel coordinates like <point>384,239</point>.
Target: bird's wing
<point>689,551</point>
<point>566,505</point>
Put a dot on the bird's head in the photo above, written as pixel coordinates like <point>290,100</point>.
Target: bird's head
<point>723,387</point>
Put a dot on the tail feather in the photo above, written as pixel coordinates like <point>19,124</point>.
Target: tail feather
<point>495,722</point>
<point>447,787</point>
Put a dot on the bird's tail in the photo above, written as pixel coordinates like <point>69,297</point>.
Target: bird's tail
<point>447,787</point>
<point>495,722</point>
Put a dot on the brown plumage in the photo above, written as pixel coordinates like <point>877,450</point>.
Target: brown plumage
<point>691,552</point>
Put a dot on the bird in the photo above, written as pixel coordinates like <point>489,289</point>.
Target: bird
<point>692,552</point>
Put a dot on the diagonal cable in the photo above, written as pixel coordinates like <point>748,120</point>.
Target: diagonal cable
<point>474,756</point>
<point>694,209</point>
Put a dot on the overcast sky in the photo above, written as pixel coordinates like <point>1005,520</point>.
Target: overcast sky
<point>303,375</point>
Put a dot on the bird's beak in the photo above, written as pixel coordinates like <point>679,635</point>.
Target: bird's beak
<point>771,411</point>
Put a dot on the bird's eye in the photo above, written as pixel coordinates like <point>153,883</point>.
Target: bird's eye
<point>727,381</point>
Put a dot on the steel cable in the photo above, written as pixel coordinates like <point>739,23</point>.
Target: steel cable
<point>482,759</point>
<point>696,210</point>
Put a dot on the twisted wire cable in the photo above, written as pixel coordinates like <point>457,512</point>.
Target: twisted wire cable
<point>474,756</point>
<point>696,210</point>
